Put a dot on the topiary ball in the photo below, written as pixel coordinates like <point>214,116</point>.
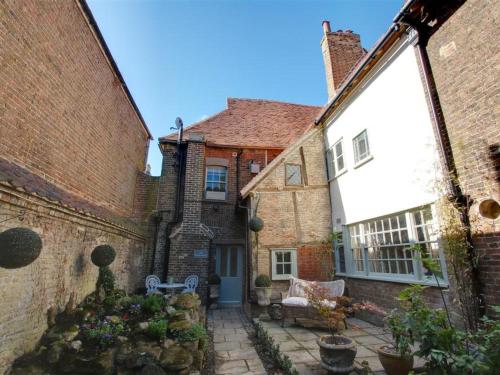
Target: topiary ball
<point>256,224</point>
<point>19,247</point>
<point>103,255</point>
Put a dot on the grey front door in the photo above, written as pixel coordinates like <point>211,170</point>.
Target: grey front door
<point>229,266</point>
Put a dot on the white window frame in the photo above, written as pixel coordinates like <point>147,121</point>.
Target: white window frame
<point>335,160</point>
<point>293,258</point>
<point>215,195</point>
<point>418,276</point>
<point>358,160</point>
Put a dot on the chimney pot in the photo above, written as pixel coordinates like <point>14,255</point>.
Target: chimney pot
<point>326,27</point>
<point>340,31</point>
<point>349,31</point>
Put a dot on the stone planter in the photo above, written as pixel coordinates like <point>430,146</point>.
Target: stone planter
<point>337,353</point>
<point>214,290</point>
<point>393,362</point>
<point>263,295</point>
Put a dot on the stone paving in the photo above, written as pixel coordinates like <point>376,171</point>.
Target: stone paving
<point>234,352</point>
<point>300,345</point>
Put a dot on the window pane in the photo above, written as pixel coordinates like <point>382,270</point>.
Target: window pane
<point>340,163</point>
<point>279,256</point>
<point>338,149</point>
<point>234,262</point>
<point>287,269</point>
<point>402,220</point>
<point>341,259</point>
<point>287,257</point>
<point>279,269</point>
<point>404,236</point>
<point>223,262</point>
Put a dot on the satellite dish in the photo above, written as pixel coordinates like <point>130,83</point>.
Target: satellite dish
<point>178,122</point>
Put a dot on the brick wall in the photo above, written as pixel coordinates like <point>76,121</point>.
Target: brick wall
<point>63,267</point>
<point>294,217</point>
<point>69,133</point>
<point>63,110</point>
<point>315,262</point>
<point>464,58</point>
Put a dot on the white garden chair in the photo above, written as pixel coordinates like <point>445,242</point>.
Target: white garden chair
<point>191,284</point>
<point>152,282</point>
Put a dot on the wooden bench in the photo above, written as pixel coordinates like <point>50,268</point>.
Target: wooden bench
<point>296,307</point>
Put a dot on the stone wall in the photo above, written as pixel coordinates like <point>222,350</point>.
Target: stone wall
<point>63,109</point>
<point>465,59</point>
<point>294,216</point>
<point>63,267</point>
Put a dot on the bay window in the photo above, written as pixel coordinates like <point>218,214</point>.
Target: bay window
<point>385,247</point>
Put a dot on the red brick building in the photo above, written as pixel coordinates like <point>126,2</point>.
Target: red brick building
<point>72,147</point>
<point>206,230</point>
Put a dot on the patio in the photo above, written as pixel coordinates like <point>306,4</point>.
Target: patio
<point>299,344</point>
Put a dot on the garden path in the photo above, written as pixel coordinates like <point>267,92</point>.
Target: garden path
<point>234,352</point>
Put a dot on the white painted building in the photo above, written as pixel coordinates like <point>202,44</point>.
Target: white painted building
<point>384,171</point>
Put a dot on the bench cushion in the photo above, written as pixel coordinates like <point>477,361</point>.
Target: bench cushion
<point>295,301</point>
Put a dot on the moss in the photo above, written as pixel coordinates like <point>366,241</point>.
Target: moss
<point>103,255</point>
<point>19,247</point>
<point>180,325</point>
<point>187,301</point>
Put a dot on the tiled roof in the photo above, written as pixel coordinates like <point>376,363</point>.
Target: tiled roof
<point>22,179</point>
<point>255,123</point>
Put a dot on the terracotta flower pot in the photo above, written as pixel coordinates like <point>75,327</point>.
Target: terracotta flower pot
<point>337,353</point>
<point>393,362</point>
<point>263,295</point>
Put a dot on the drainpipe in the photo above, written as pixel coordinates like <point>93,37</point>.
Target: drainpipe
<point>180,157</point>
<point>456,194</point>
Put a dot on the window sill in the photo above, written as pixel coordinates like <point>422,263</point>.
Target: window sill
<point>443,284</point>
<point>364,161</point>
<point>343,171</point>
<point>282,277</point>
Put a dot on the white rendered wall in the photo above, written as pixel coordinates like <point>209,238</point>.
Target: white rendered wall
<point>404,171</point>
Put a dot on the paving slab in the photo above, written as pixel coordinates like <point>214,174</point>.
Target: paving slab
<point>234,351</point>
<point>368,340</point>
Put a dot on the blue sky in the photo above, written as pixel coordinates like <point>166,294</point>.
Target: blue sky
<point>184,58</point>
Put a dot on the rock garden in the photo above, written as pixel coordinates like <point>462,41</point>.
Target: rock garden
<point>112,332</point>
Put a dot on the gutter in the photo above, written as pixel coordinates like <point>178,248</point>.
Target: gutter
<point>104,47</point>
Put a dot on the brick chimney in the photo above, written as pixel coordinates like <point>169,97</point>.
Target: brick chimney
<point>341,51</point>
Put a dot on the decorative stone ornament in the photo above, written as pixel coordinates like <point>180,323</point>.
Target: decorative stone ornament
<point>489,209</point>
<point>19,247</point>
<point>103,255</point>
<point>256,224</point>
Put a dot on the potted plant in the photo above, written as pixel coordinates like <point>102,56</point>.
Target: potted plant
<point>263,290</point>
<point>337,352</point>
<point>214,286</point>
<point>397,359</point>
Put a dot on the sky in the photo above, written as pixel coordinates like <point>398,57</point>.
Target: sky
<point>185,58</point>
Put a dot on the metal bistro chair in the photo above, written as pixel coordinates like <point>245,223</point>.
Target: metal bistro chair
<point>191,284</point>
<point>152,282</point>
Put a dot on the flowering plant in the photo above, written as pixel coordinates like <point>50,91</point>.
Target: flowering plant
<point>103,332</point>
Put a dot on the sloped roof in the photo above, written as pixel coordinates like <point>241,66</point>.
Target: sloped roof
<point>276,162</point>
<point>254,123</point>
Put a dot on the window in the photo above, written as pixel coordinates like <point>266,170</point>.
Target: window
<point>382,247</point>
<point>284,263</point>
<point>338,245</point>
<point>216,182</point>
<point>293,175</point>
<point>361,147</point>
<point>335,158</point>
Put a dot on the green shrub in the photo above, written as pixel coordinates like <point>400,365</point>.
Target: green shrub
<point>153,303</point>
<point>262,281</point>
<point>103,255</point>
<point>157,329</point>
<point>106,279</point>
<point>196,332</point>
<point>213,279</point>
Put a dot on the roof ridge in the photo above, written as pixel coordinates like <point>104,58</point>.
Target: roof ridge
<point>273,101</point>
